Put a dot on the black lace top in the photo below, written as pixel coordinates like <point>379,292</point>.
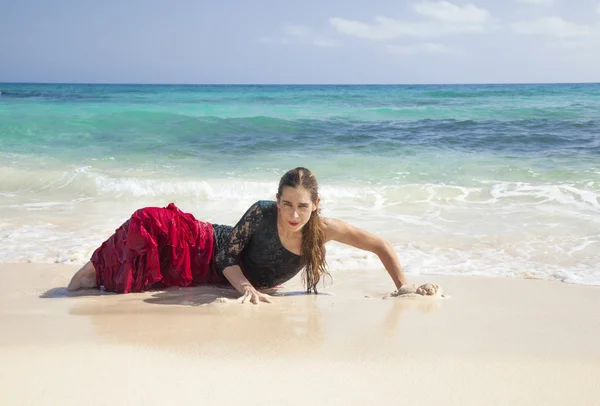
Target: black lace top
<point>254,245</point>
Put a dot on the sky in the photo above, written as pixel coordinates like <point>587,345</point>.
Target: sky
<point>300,41</point>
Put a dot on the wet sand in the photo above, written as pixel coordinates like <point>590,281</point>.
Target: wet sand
<point>490,342</point>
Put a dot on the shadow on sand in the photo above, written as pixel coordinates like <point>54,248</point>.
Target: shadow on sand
<point>62,292</point>
<point>202,295</point>
<point>190,296</point>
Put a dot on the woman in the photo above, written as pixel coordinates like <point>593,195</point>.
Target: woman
<point>273,241</point>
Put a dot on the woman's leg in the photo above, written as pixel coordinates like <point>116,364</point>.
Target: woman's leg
<point>85,278</point>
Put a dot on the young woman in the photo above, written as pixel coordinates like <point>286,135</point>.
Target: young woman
<point>272,242</point>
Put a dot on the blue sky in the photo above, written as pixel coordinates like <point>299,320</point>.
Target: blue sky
<point>308,41</point>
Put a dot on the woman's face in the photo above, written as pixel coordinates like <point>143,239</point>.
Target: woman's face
<point>295,207</point>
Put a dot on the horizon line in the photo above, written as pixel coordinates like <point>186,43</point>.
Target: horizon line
<point>295,84</point>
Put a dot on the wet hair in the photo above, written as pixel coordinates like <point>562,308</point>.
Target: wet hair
<point>312,252</point>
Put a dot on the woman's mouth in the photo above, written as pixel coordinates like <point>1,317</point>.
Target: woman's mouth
<point>291,223</point>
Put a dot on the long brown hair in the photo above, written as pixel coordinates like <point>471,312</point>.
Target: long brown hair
<point>313,234</point>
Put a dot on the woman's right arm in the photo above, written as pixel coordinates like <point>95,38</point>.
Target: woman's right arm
<point>249,293</point>
<point>226,259</point>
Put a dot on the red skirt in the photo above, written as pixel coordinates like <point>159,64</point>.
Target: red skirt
<point>156,248</point>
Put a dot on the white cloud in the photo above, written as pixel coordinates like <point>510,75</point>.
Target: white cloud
<point>325,43</point>
<point>387,28</point>
<point>425,48</point>
<point>451,13</point>
<point>441,18</point>
<point>569,44</point>
<point>383,29</point>
<point>555,27</point>
<point>538,2</point>
<point>299,34</point>
<point>271,40</point>
<point>297,31</point>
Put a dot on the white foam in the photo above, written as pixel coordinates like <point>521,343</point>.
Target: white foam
<point>493,228</point>
<point>495,262</point>
<point>563,194</point>
<point>47,243</point>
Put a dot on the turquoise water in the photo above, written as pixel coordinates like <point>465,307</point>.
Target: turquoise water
<point>497,180</point>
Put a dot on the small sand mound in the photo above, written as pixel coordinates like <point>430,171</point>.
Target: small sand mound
<point>412,292</point>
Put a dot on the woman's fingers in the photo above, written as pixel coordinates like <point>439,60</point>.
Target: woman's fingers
<point>254,297</point>
<point>244,298</point>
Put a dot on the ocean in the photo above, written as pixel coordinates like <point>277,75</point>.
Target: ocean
<point>486,180</point>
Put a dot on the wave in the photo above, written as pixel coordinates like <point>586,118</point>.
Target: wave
<point>164,133</point>
<point>86,182</point>
<point>51,96</point>
<point>488,228</point>
<point>554,257</point>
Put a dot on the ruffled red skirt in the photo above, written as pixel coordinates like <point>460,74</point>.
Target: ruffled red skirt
<point>156,248</point>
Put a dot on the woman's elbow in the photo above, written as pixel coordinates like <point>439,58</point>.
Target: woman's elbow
<point>383,247</point>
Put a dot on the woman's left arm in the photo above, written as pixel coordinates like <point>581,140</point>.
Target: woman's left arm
<point>343,232</point>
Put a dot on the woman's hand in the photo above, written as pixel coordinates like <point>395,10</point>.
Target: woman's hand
<point>250,294</point>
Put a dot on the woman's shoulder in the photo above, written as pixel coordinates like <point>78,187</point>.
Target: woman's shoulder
<point>266,204</point>
<point>334,228</point>
<point>329,222</point>
<point>262,209</point>
<point>261,205</point>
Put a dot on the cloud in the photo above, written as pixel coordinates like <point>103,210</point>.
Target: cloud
<point>441,19</point>
<point>554,27</point>
<point>299,34</point>
<point>297,31</point>
<point>537,2</point>
<point>569,44</point>
<point>271,40</point>
<point>383,29</point>
<point>387,28</point>
<point>450,13</point>
<point>598,9</point>
<point>325,43</point>
<point>424,48</point>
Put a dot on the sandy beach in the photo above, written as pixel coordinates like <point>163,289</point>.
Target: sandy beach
<point>459,141</point>
<point>491,341</point>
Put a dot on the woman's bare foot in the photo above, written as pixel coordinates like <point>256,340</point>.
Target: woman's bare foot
<point>85,278</point>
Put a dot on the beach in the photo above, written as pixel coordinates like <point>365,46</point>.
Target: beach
<point>492,341</point>
<point>490,191</point>
<point>479,180</point>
